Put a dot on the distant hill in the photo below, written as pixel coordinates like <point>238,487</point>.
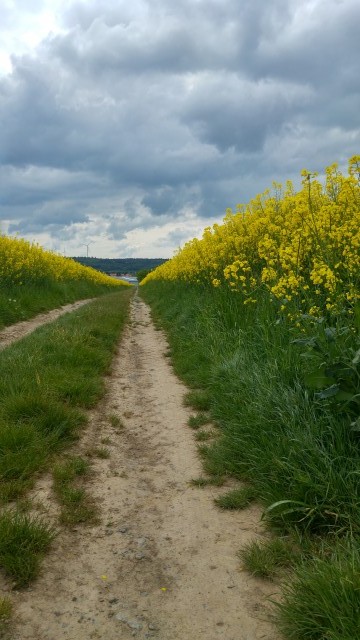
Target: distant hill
<point>120,265</point>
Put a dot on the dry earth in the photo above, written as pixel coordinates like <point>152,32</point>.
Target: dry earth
<point>21,329</point>
<point>162,563</point>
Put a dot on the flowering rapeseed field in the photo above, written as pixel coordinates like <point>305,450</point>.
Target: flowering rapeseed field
<point>302,248</point>
<point>23,263</point>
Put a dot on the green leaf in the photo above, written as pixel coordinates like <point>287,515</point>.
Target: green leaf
<point>356,358</point>
<point>328,393</point>
<point>355,426</point>
<point>281,503</point>
<point>357,315</point>
<point>330,333</point>
<point>318,379</point>
<point>345,396</point>
<point>305,342</point>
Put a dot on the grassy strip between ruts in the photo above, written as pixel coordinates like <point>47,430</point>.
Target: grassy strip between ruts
<point>46,380</point>
<point>76,505</point>
<point>297,449</point>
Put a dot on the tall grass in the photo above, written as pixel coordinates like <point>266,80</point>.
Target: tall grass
<point>297,445</point>
<point>46,381</point>
<point>22,303</point>
<point>23,541</point>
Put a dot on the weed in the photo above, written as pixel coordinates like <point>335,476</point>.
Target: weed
<point>79,513</point>
<point>11,490</point>
<point>203,436</point>
<point>67,471</point>
<point>264,559</point>
<point>116,421</point>
<point>216,481</point>
<point>199,482</point>
<point>199,400</point>
<point>237,498</point>
<point>5,612</point>
<point>77,506</point>
<point>322,600</point>
<point>195,422</point>
<point>98,452</point>
<point>102,452</point>
<point>23,541</point>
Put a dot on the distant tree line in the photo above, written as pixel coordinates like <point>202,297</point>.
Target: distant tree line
<point>120,265</point>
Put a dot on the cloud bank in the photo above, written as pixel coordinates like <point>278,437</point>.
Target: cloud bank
<point>134,127</point>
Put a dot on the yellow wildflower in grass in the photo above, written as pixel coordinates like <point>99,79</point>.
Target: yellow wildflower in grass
<point>302,247</point>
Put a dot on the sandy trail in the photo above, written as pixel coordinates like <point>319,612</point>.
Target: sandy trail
<point>162,563</point>
<point>21,329</point>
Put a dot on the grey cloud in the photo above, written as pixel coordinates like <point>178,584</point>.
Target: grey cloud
<point>142,110</point>
<point>232,112</point>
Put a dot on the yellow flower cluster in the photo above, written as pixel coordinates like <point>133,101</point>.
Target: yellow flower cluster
<point>302,247</point>
<point>24,263</point>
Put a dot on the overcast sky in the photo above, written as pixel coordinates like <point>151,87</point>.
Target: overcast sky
<point>134,125</point>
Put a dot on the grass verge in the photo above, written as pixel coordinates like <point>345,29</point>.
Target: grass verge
<point>77,507</point>
<point>46,381</point>
<point>322,601</point>
<point>21,303</point>
<point>5,614</point>
<point>297,446</point>
<point>237,498</point>
<point>23,542</point>
<point>266,559</point>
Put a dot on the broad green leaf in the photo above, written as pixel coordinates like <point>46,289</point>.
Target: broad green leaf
<point>318,379</point>
<point>328,393</point>
<point>355,426</point>
<point>305,342</point>
<point>330,333</point>
<point>345,396</point>
<point>357,315</point>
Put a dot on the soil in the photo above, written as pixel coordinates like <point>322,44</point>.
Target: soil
<point>162,561</point>
<point>22,329</point>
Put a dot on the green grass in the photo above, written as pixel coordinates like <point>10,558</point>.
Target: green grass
<point>199,400</point>
<point>301,455</point>
<point>216,481</point>
<point>266,559</point>
<point>77,505</point>
<point>23,542</point>
<point>195,422</point>
<point>297,447</point>
<point>46,381</point>
<point>322,601</point>
<point>5,612</point>
<point>116,421</point>
<point>98,452</point>
<point>22,303</point>
<point>237,498</point>
<point>203,436</point>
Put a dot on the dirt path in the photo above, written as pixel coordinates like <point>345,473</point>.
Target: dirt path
<point>162,563</point>
<point>22,329</point>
